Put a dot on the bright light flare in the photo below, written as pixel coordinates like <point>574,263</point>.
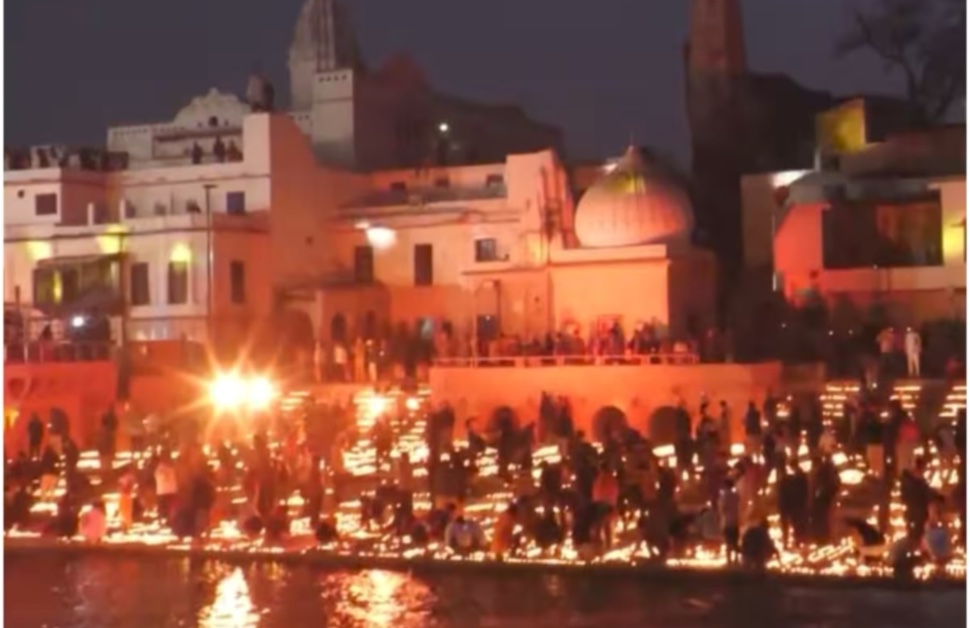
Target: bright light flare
<point>227,391</point>
<point>260,393</point>
<point>376,406</point>
<point>381,237</point>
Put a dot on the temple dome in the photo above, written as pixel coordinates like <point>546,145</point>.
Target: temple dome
<point>635,203</point>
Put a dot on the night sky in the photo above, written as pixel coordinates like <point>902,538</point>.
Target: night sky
<point>600,69</point>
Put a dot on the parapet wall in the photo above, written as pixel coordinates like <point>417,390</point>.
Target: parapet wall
<point>642,392</point>
<point>82,390</point>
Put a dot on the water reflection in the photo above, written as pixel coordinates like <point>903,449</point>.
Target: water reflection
<point>376,597</point>
<point>232,607</point>
<point>101,591</point>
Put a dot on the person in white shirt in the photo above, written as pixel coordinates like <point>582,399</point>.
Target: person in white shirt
<point>166,486</point>
<point>914,346</point>
<point>827,442</point>
<point>340,360</point>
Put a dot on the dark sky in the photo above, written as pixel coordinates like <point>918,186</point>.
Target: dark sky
<point>600,69</point>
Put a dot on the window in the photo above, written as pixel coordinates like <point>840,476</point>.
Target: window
<point>486,250</point>
<point>399,186</point>
<point>494,181</point>
<point>885,235</point>
<point>442,182</point>
<point>364,264</point>
<point>45,204</point>
<point>178,283</point>
<point>237,281</point>
<point>423,265</point>
<point>140,285</point>
<point>45,286</point>
<point>236,203</point>
<point>70,284</point>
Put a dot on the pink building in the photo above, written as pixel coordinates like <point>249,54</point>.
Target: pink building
<point>878,223</point>
<point>505,249</point>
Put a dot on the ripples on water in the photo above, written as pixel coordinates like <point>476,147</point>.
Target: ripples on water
<point>109,592</point>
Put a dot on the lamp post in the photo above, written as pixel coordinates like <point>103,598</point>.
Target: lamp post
<point>208,187</point>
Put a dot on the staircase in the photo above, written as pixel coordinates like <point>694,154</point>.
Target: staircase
<point>833,397</point>
<point>928,401</point>
<point>956,399</point>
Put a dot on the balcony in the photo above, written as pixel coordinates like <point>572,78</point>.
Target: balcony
<point>426,196</point>
<point>46,352</point>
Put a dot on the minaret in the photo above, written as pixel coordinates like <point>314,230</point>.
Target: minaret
<point>715,70</point>
<point>323,40</point>
<point>716,81</point>
<point>716,44</point>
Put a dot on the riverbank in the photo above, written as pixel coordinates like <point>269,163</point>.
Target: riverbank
<point>640,570</point>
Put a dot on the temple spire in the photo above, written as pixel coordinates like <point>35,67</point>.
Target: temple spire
<point>716,43</point>
<point>323,40</point>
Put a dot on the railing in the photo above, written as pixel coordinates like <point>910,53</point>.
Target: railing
<point>39,352</point>
<point>528,361</point>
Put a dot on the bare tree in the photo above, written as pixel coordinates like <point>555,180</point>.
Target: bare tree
<point>923,39</point>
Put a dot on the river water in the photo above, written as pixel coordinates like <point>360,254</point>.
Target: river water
<point>48,590</point>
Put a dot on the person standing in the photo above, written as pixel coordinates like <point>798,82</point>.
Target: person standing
<point>914,347</point>
<point>318,361</point>
<point>752,430</point>
<point>872,429</point>
<point>166,487</point>
<point>729,511</point>
<point>724,428</point>
<point>340,361</point>
<point>887,348</point>
<point>35,436</point>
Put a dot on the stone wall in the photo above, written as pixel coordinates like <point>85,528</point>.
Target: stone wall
<point>642,392</point>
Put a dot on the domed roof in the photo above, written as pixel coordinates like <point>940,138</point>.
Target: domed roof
<point>635,203</point>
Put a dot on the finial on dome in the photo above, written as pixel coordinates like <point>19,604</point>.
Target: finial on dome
<point>634,204</point>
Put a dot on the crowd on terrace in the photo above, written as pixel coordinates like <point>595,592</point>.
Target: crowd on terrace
<point>377,357</point>
<point>869,491</point>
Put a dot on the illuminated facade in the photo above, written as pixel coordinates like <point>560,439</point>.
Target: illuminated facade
<point>504,250</point>
<point>878,222</point>
<point>354,117</point>
<point>166,253</point>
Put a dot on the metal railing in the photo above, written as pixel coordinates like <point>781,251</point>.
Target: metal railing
<point>530,361</point>
<point>39,351</point>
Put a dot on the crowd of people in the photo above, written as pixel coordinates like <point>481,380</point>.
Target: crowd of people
<point>548,488</point>
<point>402,353</point>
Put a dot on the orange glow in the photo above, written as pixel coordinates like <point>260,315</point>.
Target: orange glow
<point>181,253</point>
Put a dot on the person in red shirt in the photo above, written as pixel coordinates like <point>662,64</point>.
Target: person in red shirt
<point>906,444</point>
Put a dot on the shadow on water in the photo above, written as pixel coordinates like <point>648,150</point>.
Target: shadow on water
<point>107,592</point>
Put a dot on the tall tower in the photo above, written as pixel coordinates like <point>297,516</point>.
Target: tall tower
<point>716,44</point>
<point>323,40</point>
<point>716,81</point>
<point>715,71</point>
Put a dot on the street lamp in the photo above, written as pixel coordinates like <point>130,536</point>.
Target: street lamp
<point>208,187</point>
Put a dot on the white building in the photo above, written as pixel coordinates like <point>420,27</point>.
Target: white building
<point>168,252</point>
